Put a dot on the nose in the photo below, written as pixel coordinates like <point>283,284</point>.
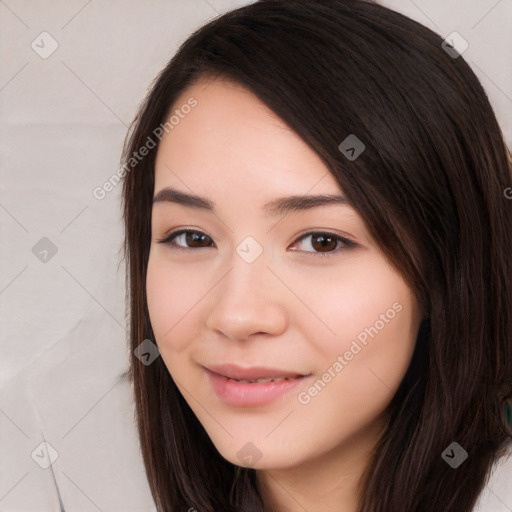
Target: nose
<point>249,300</point>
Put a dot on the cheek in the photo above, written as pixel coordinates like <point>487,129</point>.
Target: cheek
<point>364,301</point>
<point>172,296</point>
<point>375,318</point>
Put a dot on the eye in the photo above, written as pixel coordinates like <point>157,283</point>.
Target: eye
<point>188,236</point>
<point>327,244</point>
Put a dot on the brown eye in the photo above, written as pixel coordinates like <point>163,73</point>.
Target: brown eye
<point>196,239</point>
<point>323,243</point>
<point>326,244</point>
<point>191,239</point>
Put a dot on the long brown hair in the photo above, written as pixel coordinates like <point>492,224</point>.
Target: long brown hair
<point>430,186</point>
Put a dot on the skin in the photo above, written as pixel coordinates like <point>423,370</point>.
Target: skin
<point>290,308</point>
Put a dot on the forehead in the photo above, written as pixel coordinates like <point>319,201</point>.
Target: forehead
<point>230,138</point>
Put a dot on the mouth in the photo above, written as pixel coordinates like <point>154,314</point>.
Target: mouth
<point>255,390</point>
<point>270,379</point>
<point>254,374</point>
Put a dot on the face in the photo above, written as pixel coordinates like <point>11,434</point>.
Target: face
<point>301,292</point>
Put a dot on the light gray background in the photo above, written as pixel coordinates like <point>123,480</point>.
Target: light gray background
<point>63,120</point>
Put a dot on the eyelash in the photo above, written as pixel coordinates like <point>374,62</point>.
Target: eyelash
<point>346,242</point>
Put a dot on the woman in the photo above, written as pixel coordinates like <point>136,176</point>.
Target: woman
<point>318,242</point>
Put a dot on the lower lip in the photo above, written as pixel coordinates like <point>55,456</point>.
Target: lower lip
<point>250,394</point>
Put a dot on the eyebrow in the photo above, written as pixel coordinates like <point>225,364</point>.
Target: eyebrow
<point>275,207</point>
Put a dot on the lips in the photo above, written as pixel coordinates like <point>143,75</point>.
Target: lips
<point>253,373</point>
<point>256,386</point>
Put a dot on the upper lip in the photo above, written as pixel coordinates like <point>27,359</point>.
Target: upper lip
<point>234,371</point>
